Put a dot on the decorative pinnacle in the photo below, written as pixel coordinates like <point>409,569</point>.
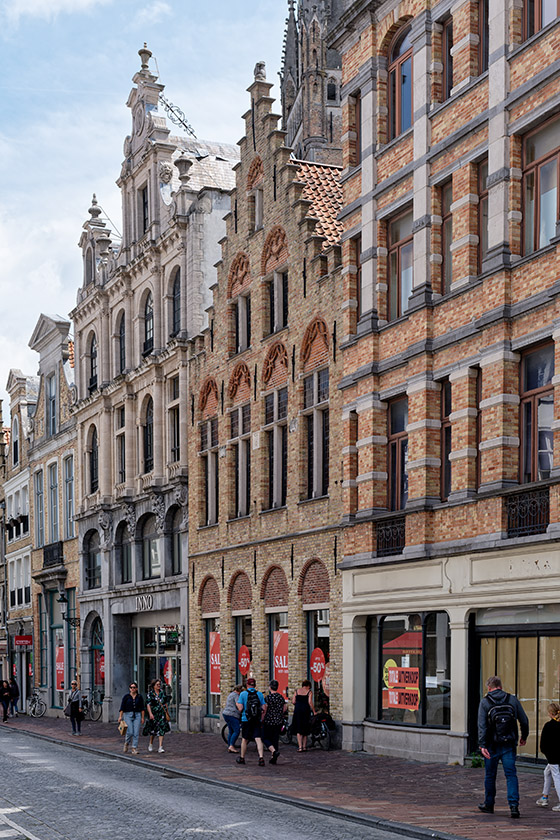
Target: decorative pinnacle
<point>260,71</point>
<point>94,210</point>
<point>145,55</point>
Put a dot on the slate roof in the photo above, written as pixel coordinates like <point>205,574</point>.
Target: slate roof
<point>324,190</point>
<point>212,163</point>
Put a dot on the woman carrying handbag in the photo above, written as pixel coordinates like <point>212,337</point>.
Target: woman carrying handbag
<point>74,708</point>
<point>131,713</point>
<point>158,716</point>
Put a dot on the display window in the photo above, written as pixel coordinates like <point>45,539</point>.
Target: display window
<point>278,648</point>
<point>318,649</point>
<point>244,648</point>
<point>213,667</point>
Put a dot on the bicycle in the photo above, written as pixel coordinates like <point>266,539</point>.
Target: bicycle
<point>285,733</point>
<point>92,708</point>
<point>35,706</point>
<point>320,733</point>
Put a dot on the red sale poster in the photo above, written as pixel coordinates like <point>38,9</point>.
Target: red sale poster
<point>59,668</point>
<point>281,659</point>
<point>214,662</point>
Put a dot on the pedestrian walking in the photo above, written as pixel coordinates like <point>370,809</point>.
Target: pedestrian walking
<point>498,733</point>
<point>252,707</point>
<point>14,697</point>
<point>5,699</point>
<point>158,716</point>
<point>303,709</point>
<point>74,706</point>
<point>232,717</point>
<point>275,705</point>
<point>550,748</point>
<point>132,712</point>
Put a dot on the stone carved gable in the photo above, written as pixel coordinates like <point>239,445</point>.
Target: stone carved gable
<point>208,401</point>
<point>315,344</point>
<point>275,251</point>
<point>239,274</point>
<point>256,174</point>
<point>240,383</point>
<point>275,368</point>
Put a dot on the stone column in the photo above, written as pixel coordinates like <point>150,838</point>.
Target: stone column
<point>128,334</point>
<point>499,446</point>
<point>458,673</point>
<point>354,657</point>
<point>130,443</point>
<point>104,373</point>
<point>158,308</point>
<point>464,450</point>
<point>105,455</point>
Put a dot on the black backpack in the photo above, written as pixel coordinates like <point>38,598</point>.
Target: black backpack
<point>503,721</point>
<point>253,706</point>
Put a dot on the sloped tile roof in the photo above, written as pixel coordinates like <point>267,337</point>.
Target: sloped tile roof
<point>323,188</point>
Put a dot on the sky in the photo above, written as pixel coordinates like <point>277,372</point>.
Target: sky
<point>66,72</point>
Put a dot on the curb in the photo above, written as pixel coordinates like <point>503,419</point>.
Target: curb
<point>330,811</point>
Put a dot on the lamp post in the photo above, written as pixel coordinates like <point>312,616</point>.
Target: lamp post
<point>73,621</point>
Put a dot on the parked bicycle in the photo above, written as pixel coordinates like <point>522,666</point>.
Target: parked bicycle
<point>35,706</point>
<point>92,706</point>
<point>285,732</point>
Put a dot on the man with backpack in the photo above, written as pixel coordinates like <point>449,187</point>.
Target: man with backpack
<point>498,733</point>
<point>252,707</point>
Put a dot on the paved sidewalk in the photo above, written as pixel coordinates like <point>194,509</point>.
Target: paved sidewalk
<point>429,796</point>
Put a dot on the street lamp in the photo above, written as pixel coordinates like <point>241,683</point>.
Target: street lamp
<point>63,601</point>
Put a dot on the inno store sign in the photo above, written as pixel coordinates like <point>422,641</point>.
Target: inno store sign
<point>144,603</point>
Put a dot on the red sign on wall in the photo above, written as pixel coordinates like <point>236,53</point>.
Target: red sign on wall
<point>215,664</point>
<point>59,664</point>
<point>281,659</point>
<point>99,662</point>
<point>23,641</point>
<point>317,664</point>
<point>244,659</point>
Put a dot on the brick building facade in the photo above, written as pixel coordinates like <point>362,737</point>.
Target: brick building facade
<point>265,488</point>
<point>451,140</point>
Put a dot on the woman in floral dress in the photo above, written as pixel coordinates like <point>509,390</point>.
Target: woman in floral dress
<point>158,717</point>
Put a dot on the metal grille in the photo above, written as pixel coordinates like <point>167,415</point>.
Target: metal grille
<point>391,536</point>
<point>528,513</point>
<point>53,554</point>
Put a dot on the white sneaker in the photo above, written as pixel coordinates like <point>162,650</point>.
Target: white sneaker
<point>150,748</point>
<point>556,808</point>
<point>543,801</point>
<point>161,749</point>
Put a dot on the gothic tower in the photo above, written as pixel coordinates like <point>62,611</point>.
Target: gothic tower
<point>310,82</point>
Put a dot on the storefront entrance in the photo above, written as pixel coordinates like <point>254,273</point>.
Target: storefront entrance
<point>157,654</point>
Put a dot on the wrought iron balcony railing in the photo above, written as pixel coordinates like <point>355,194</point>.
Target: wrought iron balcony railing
<point>528,512</point>
<point>53,554</point>
<point>390,536</point>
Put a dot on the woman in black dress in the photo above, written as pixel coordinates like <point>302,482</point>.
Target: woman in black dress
<point>158,716</point>
<point>273,719</point>
<point>5,699</point>
<point>303,709</point>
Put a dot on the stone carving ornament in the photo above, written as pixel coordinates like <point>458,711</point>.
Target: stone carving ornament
<point>165,171</point>
<point>105,523</point>
<point>158,507</point>
<point>130,518</point>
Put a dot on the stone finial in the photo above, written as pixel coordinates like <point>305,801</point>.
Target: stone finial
<point>260,71</point>
<point>94,210</point>
<point>145,55</point>
<point>183,164</point>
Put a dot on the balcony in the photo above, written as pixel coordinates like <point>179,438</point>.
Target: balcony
<point>391,536</point>
<point>528,513</point>
<point>53,555</point>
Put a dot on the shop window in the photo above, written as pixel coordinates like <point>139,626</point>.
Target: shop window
<point>244,638</point>
<point>148,437</point>
<point>400,84</point>
<point>176,539</point>
<point>446,46</point>
<point>69,497</point>
<point>52,473</point>
<point>276,431</point>
<point>541,172</point>
<point>97,651</point>
<point>121,347</point>
<point>482,212</point>
<point>92,364</point>
<point>148,345</point>
<point>483,34</point>
<point>400,264</point>
<point>39,510</point>
<point>123,554</point>
<point>213,667</point>
<point>50,404</point>
<point>43,639</point>
<point>241,312</point>
<point>277,291</point>
<point>447,236</point>
<point>151,563</point>
<point>209,455</point>
<point>93,562</point>
<point>538,13</point>
<point>537,414</point>
<point>278,629</point>
<point>15,442</point>
<point>316,413</point>
<point>176,305</point>
<point>398,454</point>
<point>318,639</point>
<point>240,435</point>
<point>409,669</point>
<point>445,440</point>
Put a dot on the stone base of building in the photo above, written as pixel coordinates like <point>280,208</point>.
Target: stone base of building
<point>409,742</point>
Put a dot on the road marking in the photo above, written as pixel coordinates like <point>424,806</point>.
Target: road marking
<point>9,832</point>
<point>214,830</point>
<point>12,810</point>
<point>18,828</point>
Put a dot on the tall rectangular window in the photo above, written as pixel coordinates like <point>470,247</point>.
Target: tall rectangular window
<point>537,14</point>
<point>39,510</point>
<point>447,235</point>
<point>541,173</point>
<point>537,413</point>
<point>276,430</point>
<point>316,413</point>
<point>175,437</point>
<point>400,264</point>
<point>50,395</point>
<point>483,34</point>
<point>357,257</point>
<point>445,440</point>
<point>278,301</point>
<point>242,323</point>
<point>209,454</point>
<point>69,497</point>
<point>240,431</point>
<point>121,458</point>
<point>398,454</point>
<point>446,46</point>
<point>358,128</point>
<point>144,210</point>
<point>52,471</point>
<point>482,212</point>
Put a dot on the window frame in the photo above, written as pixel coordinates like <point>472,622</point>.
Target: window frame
<point>482,180</point>
<point>92,364</point>
<point>68,463</point>
<point>397,247</point>
<point>394,70</point>
<point>317,453</point>
<point>241,445</point>
<point>150,570</point>
<point>241,314</point>
<point>358,127</point>
<point>176,305</point>
<point>208,430</point>
<point>483,36</point>
<point>148,345</point>
<point>531,28</point>
<point>92,576</point>
<point>532,397</point>
<point>50,404</point>
<point>39,509</point>
<point>396,439</point>
<point>535,167</point>
<point>278,290</point>
<point>94,462</point>
<point>446,446</point>
<point>52,473</point>
<point>148,437</point>
<point>15,441</point>
<point>447,58</point>
<point>121,344</point>
<point>276,432</point>
<point>176,543</point>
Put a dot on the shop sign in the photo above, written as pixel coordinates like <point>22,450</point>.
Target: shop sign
<point>244,659</point>
<point>59,664</point>
<point>403,698</point>
<point>403,677</point>
<point>21,641</point>
<point>403,690</point>
<point>167,672</point>
<point>215,663</point>
<point>317,664</point>
<point>280,642</point>
<point>144,603</point>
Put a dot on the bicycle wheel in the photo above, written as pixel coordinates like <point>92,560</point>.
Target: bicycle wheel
<point>286,735</point>
<point>225,733</point>
<point>95,710</point>
<point>323,738</point>
<point>40,708</point>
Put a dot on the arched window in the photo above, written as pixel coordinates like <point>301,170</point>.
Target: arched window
<point>176,543</point>
<point>176,305</point>
<point>93,561</point>
<point>90,266</point>
<point>122,345</point>
<point>123,554</point>
<point>93,364</point>
<point>149,437</point>
<point>15,442</point>
<point>94,463</point>
<point>149,325</point>
<point>400,84</point>
<point>151,564</point>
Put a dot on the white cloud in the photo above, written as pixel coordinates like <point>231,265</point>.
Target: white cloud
<point>153,13</point>
<point>13,10</point>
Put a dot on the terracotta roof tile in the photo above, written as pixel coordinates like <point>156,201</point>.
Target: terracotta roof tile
<point>71,353</point>
<point>324,190</point>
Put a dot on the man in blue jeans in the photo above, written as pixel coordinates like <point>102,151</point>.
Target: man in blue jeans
<point>498,716</point>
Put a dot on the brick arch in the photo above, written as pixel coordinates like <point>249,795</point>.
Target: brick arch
<point>275,251</point>
<point>208,399</point>
<point>255,175</point>
<point>274,588</point>
<point>314,585</point>
<point>239,274</point>
<point>315,344</point>
<point>275,364</point>
<point>240,382</point>
<point>392,30</point>
<point>240,596</point>
<point>209,595</point>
